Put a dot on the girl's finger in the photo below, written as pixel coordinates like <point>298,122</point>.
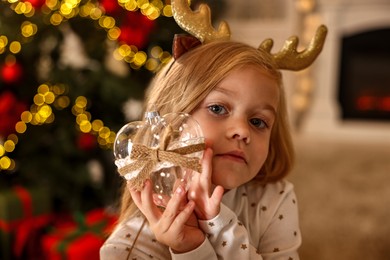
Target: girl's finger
<point>135,195</point>
<point>182,218</point>
<point>209,143</point>
<point>217,195</point>
<point>147,202</point>
<point>207,161</point>
<point>205,177</point>
<point>172,209</point>
<point>144,201</point>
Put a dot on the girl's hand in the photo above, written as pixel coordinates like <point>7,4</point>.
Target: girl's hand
<point>176,226</point>
<point>200,191</point>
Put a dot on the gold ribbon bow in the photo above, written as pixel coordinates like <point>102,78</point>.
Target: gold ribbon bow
<point>147,158</point>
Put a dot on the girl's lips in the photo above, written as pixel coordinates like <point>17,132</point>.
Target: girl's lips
<point>234,155</point>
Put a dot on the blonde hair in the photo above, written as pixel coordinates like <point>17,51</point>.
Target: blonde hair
<point>184,83</point>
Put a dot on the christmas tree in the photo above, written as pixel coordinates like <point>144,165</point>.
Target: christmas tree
<point>71,74</point>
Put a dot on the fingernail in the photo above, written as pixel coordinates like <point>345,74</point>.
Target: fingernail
<point>179,190</point>
<point>158,202</point>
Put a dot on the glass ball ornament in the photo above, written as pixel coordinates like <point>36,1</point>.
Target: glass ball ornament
<point>161,137</point>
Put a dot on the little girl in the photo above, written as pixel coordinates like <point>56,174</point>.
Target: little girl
<point>240,206</point>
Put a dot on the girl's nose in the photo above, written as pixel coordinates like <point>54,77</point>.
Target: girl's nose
<point>240,130</point>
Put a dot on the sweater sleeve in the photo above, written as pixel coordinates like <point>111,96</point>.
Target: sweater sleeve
<point>204,252</point>
<point>264,232</point>
<point>132,239</point>
<point>228,236</point>
<point>259,226</point>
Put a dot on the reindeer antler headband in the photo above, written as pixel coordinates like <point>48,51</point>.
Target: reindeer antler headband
<point>198,24</point>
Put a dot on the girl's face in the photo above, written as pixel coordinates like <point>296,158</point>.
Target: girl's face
<point>236,119</point>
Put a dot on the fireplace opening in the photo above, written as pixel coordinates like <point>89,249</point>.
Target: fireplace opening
<point>364,80</point>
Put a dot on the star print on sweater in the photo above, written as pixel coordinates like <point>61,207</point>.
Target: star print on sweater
<point>254,221</point>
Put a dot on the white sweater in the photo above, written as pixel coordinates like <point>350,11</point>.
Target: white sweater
<point>255,222</point>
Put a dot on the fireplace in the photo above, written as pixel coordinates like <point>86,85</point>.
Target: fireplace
<point>352,75</point>
<point>364,79</point>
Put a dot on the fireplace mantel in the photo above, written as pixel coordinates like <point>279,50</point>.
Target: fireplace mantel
<point>343,18</point>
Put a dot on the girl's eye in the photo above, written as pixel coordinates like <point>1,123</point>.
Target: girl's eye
<point>217,109</point>
<point>258,123</point>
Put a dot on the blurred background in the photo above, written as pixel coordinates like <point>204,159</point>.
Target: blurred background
<point>72,72</point>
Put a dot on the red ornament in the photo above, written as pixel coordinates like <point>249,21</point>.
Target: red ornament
<point>10,111</point>
<point>110,6</point>
<point>86,141</point>
<point>132,36</point>
<point>36,3</point>
<point>11,73</point>
<point>135,29</point>
<point>140,21</point>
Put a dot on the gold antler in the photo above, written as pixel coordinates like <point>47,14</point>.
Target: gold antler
<point>288,58</point>
<point>198,23</point>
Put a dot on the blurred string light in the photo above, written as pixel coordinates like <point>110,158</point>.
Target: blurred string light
<point>21,7</point>
<point>105,136</point>
<point>57,12</point>
<point>41,112</point>
<point>3,43</point>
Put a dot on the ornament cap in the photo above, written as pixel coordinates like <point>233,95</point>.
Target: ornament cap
<point>151,114</point>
